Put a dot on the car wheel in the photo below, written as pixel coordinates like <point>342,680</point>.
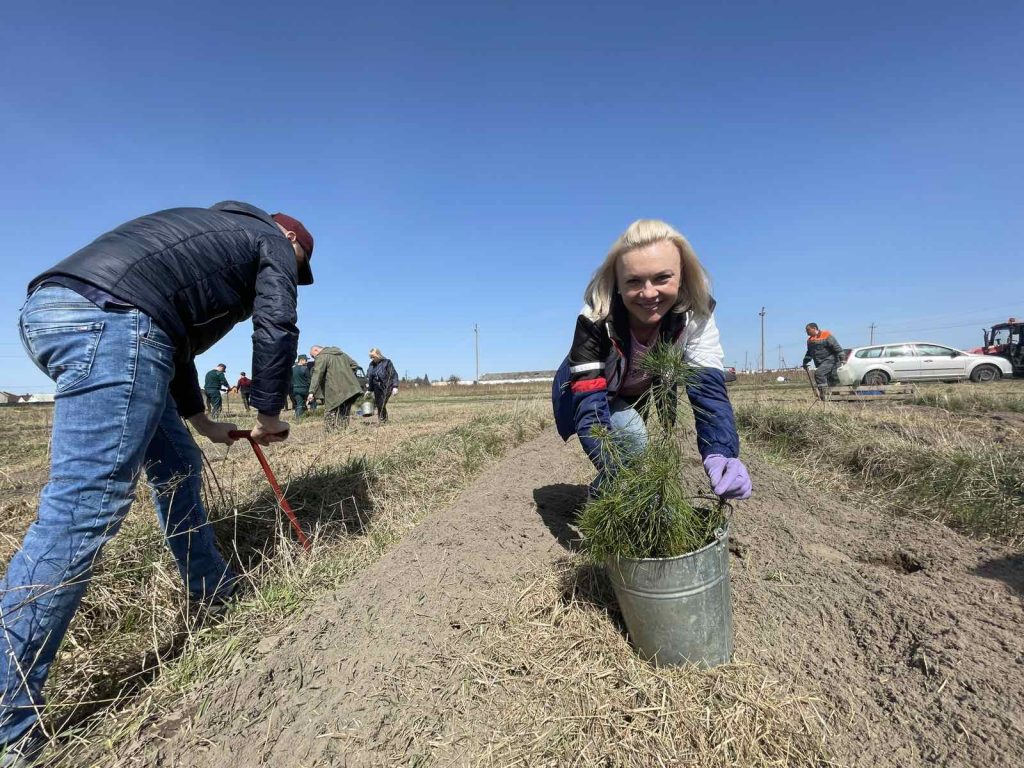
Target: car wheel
<point>986,373</point>
<point>876,378</point>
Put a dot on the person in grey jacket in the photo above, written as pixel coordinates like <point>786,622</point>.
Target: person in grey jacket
<point>827,354</point>
<point>117,326</point>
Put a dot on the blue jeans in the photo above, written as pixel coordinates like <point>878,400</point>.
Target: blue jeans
<point>112,416</point>
<point>628,433</point>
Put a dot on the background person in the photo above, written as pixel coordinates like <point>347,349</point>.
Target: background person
<point>300,385</point>
<point>650,287</point>
<point>244,385</point>
<point>334,382</point>
<point>215,383</point>
<point>310,402</point>
<point>140,302</point>
<point>827,353</point>
<point>382,381</point>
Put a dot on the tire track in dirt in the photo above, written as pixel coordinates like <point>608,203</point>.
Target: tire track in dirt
<point>908,633</point>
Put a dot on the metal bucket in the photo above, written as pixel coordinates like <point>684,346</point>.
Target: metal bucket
<point>366,409</point>
<point>678,609</point>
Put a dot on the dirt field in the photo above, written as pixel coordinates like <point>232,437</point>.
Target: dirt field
<point>468,630</point>
<point>900,640</point>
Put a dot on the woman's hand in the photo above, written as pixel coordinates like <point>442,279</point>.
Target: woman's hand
<point>729,478</point>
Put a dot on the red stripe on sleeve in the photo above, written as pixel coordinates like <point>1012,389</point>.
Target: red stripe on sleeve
<point>590,385</point>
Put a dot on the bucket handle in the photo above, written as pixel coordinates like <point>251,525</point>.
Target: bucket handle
<point>724,507</point>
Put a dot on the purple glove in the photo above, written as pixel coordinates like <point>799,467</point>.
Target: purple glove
<point>729,478</point>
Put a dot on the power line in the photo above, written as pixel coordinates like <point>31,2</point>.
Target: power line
<point>930,328</point>
<point>985,314</point>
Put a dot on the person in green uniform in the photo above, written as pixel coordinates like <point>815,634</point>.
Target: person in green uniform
<point>300,385</point>
<point>216,382</point>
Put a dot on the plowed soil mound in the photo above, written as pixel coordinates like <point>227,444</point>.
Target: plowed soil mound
<point>910,636</point>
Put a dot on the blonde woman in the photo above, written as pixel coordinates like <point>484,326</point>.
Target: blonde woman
<point>382,381</point>
<point>650,287</point>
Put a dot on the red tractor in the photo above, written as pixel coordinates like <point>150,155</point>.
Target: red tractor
<point>1006,340</point>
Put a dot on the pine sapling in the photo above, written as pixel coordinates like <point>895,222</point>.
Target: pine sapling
<point>641,508</point>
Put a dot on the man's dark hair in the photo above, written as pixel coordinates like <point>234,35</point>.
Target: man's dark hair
<point>814,326</point>
<point>302,357</point>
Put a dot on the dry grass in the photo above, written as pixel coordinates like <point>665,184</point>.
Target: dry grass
<point>1005,396</point>
<point>538,390</point>
<point>548,679</point>
<point>963,470</point>
<point>136,642</point>
<point>24,445</point>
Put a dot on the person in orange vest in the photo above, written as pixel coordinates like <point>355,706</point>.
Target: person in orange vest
<point>827,354</point>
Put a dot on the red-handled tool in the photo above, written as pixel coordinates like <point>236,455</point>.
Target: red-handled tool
<point>241,434</point>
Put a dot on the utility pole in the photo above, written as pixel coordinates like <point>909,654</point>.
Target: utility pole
<point>476,343</point>
<point>746,366</point>
<point>872,327</point>
<point>762,313</point>
<point>782,360</point>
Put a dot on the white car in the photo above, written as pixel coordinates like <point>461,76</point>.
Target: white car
<point>919,361</point>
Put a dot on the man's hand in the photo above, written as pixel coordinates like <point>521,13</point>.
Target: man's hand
<point>269,429</point>
<point>214,431</point>
<point>394,390</point>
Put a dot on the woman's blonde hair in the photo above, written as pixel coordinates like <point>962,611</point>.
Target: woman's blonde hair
<point>375,351</point>
<point>694,282</point>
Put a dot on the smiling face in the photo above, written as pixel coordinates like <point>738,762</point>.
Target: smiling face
<point>648,279</point>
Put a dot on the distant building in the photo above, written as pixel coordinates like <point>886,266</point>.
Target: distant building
<point>39,398</point>
<point>518,377</point>
<point>9,397</point>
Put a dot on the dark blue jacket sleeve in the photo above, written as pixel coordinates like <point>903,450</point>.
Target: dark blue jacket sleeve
<point>712,415</point>
<point>577,412</point>
<point>275,335</point>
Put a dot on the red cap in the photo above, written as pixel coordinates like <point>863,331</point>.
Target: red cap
<point>304,239</point>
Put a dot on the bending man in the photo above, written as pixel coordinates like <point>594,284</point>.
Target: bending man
<point>117,326</point>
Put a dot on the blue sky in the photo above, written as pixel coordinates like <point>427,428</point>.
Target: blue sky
<point>464,163</point>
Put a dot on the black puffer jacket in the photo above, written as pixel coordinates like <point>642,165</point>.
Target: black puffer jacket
<point>381,376</point>
<point>197,272</point>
